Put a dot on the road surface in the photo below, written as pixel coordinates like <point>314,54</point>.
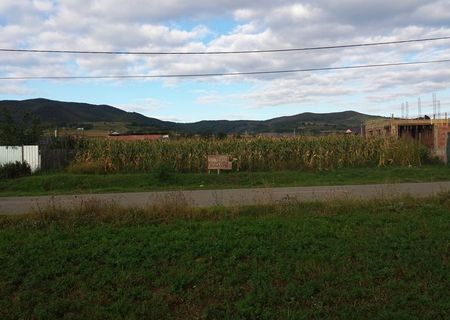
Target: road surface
<point>225,197</point>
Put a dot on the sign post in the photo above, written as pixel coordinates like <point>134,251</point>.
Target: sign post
<point>219,162</point>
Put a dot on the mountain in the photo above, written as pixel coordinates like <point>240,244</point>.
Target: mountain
<point>307,123</point>
<point>70,113</point>
<point>66,113</point>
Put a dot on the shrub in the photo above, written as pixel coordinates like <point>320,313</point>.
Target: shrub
<point>163,172</point>
<point>14,170</point>
<point>64,142</point>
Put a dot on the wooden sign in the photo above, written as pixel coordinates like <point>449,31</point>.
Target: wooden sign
<point>219,162</point>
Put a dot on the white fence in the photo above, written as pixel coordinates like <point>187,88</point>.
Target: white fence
<point>30,154</point>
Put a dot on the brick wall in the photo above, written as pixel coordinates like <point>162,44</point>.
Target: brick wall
<point>441,141</point>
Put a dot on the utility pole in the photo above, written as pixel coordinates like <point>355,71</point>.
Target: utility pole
<point>434,105</point>
<point>407,110</point>
<point>419,108</point>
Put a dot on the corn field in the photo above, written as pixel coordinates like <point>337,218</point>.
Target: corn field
<point>257,154</point>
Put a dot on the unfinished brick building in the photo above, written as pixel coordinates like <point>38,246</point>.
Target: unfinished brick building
<point>433,133</point>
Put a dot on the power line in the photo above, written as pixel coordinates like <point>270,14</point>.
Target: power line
<point>199,75</point>
<point>222,52</point>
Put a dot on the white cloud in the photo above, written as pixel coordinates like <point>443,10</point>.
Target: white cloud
<point>184,26</point>
<point>16,88</point>
<point>43,5</point>
<point>147,106</point>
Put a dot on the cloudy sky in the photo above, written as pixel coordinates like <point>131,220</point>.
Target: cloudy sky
<point>228,25</point>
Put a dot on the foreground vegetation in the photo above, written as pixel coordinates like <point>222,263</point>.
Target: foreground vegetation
<point>73,183</point>
<point>257,154</point>
<point>377,260</point>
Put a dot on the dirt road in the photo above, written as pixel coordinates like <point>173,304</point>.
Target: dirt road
<point>226,197</point>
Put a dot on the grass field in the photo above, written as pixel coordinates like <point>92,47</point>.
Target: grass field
<point>66,183</point>
<point>346,260</point>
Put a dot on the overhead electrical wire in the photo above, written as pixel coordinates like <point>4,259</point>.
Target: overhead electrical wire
<point>222,52</point>
<point>218,74</point>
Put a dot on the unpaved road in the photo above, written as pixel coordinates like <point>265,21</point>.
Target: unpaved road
<point>226,197</point>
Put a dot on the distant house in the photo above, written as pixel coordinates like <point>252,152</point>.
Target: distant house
<point>354,131</point>
<point>137,136</point>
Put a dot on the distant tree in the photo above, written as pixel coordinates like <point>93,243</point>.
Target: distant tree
<point>207,134</point>
<point>26,130</point>
<point>221,135</point>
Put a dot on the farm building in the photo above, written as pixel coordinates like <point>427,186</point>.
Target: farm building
<point>137,136</point>
<point>433,133</point>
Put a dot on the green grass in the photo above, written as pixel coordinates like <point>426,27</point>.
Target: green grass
<point>340,260</point>
<point>70,183</point>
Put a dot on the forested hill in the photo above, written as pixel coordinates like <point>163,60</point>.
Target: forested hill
<point>68,113</point>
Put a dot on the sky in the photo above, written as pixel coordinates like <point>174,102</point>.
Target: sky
<point>228,25</point>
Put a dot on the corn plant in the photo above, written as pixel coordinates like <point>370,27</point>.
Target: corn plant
<point>255,154</point>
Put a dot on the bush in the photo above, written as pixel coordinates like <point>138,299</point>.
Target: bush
<point>63,142</point>
<point>15,170</point>
<point>163,172</point>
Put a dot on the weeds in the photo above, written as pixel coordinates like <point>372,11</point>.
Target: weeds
<point>174,206</point>
<point>89,167</point>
